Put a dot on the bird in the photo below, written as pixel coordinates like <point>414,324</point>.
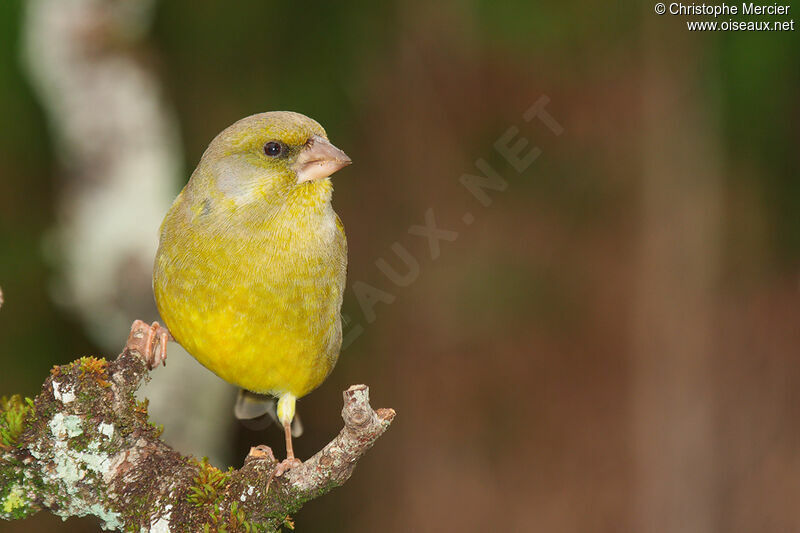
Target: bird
<point>250,270</point>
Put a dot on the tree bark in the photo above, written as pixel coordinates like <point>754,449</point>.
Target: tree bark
<point>84,446</point>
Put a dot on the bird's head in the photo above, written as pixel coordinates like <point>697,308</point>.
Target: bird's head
<point>266,157</point>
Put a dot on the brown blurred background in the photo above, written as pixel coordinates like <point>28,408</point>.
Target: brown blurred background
<point>610,345</point>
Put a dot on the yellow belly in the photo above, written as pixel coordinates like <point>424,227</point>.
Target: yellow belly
<point>260,342</point>
<point>272,352</point>
<point>263,317</point>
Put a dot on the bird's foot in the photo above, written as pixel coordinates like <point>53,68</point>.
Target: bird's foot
<point>150,341</point>
<point>287,464</point>
<point>262,451</point>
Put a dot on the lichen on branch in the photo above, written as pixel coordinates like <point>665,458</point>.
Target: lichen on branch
<point>85,446</point>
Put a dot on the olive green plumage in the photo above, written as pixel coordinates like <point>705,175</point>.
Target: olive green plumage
<point>250,269</point>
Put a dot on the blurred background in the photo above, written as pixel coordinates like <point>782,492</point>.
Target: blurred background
<point>606,339</point>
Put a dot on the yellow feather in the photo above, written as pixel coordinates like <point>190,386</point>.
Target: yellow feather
<point>250,271</point>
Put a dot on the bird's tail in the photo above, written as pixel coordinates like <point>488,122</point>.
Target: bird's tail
<point>250,406</point>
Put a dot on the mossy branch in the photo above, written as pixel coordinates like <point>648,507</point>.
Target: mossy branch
<point>84,446</point>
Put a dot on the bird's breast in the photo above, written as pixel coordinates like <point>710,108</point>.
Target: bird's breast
<point>257,303</point>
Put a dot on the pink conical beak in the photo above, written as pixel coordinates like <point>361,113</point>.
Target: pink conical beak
<point>319,159</point>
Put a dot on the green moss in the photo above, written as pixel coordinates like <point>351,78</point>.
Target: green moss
<point>234,520</point>
<point>80,443</point>
<point>14,412</point>
<point>157,428</point>
<point>14,500</point>
<point>208,491</point>
<point>15,504</point>
<point>135,510</point>
<point>96,368</point>
<point>207,485</point>
<point>288,522</point>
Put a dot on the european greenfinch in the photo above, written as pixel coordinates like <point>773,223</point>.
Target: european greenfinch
<point>250,269</point>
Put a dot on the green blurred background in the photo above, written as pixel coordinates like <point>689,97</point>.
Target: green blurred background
<point>611,345</point>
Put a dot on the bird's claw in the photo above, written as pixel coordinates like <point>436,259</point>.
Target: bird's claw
<point>262,451</point>
<point>150,341</point>
<point>287,464</point>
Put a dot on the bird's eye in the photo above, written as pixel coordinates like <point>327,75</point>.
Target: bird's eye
<point>273,149</point>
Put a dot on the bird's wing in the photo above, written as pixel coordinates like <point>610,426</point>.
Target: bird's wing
<point>340,227</point>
